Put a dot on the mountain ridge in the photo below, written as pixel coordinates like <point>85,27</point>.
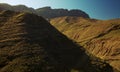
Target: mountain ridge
<point>46,12</point>
<point>53,13</point>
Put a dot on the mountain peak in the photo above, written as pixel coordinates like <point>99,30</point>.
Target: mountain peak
<point>30,24</point>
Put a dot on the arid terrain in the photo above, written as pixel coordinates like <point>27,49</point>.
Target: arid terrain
<point>98,37</point>
<point>57,40</point>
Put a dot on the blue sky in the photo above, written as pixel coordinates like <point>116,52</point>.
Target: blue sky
<point>99,9</point>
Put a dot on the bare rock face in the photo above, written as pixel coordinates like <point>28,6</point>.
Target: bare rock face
<point>100,38</point>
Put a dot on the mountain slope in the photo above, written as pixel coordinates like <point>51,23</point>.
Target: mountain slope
<point>28,43</point>
<point>101,38</point>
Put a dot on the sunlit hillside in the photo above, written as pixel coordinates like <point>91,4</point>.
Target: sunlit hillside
<point>99,37</point>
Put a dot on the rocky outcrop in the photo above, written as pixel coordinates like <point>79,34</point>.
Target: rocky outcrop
<point>101,38</point>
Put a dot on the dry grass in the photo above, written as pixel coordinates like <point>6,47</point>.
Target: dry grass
<point>101,38</point>
<point>28,43</point>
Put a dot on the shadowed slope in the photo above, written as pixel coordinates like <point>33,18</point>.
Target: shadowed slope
<point>101,38</point>
<point>28,43</point>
